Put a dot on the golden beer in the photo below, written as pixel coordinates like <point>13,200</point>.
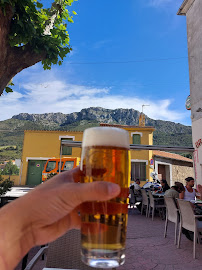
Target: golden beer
<point>105,157</point>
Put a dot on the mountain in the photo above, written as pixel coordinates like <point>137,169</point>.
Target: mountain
<point>11,130</point>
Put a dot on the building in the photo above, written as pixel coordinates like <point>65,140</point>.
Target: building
<point>140,159</point>
<point>172,167</point>
<point>40,145</point>
<point>193,11</point>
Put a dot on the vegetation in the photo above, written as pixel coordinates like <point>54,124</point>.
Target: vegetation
<point>12,130</point>
<point>10,169</point>
<point>5,185</point>
<point>31,33</point>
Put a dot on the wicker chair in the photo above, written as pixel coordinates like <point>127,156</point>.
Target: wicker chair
<point>189,221</point>
<point>63,253</point>
<point>153,204</point>
<point>132,198</point>
<point>172,214</point>
<point>145,201</point>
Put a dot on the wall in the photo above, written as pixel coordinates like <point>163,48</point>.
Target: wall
<point>179,173</point>
<point>44,145</point>
<point>15,178</point>
<point>194,35</point>
<point>178,170</point>
<point>143,155</point>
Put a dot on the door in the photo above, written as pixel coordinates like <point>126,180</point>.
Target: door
<point>34,173</point>
<point>162,172</point>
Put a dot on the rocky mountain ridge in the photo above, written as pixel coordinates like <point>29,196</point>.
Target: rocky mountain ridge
<point>101,115</point>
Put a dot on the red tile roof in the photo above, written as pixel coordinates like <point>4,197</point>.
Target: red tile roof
<point>171,156</point>
<point>124,126</point>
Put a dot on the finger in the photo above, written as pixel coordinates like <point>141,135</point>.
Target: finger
<point>76,193</point>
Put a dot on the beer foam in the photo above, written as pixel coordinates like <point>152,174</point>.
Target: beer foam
<point>107,136</point>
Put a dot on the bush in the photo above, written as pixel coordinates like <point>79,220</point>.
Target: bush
<point>10,169</point>
<point>5,185</point>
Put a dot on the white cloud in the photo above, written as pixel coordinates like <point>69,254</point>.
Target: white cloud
<point>167,5</point>
<point>157,3</point>
<point>58,96</point>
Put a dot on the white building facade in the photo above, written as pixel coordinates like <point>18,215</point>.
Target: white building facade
<point>192,9</point>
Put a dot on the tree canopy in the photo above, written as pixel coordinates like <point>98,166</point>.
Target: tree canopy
<point>30,33</point>
<point>10,169</point>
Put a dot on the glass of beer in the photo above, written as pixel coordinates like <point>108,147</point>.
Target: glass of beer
<point>105,157</point>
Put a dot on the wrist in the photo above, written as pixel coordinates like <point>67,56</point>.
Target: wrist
<point>14,230</point>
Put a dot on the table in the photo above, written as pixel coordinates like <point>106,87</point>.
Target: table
<point>196,201</point>
<point>13,194</point>
<point>58,269</point>
<point>158,194</point>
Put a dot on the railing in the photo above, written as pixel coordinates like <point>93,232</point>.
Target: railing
<point>142,147</point>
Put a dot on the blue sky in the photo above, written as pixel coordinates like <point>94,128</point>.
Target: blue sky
<point>125,54</point>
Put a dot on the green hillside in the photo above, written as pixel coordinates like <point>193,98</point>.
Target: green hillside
<point>12,130</point>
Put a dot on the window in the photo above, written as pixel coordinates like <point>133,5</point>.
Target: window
<point>68,165</point>
<point>138,171</point>
<point>136,139</point>
<point>50,166</point>
<point>66,150</point>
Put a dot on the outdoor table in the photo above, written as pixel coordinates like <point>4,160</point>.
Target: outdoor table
<point>11,195</point>
<point>196,201</point>
<point>158,194</point>
<point>57,269</point>
<point>15,193</point>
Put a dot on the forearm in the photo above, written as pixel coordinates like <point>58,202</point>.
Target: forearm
<point>14,231</point>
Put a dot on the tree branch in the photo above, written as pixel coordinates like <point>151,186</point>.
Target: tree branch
<point>17,60</point>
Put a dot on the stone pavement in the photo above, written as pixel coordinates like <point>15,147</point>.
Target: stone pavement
<point>147,249</point>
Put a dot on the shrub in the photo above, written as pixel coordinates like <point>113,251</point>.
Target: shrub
<point>5,185</point>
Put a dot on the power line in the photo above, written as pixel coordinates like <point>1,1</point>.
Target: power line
<point>129,62</point>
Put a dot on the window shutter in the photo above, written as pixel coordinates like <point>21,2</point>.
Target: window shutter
<point>136,139</point>
<point>66,150</point>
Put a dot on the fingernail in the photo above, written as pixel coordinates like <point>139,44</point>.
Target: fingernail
<point>113,189</point>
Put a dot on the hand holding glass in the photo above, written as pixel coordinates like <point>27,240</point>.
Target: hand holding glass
<point>105,157</point>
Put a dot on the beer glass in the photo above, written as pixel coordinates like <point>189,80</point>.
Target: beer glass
<point>105,157</point>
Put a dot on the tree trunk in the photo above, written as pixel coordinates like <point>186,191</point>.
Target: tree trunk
<point>17,59</point>
<point>13,59</point>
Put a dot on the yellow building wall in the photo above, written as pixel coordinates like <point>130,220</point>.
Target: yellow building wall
<point>142,155</point>
<point>14,178</point>
<point>44,145</point>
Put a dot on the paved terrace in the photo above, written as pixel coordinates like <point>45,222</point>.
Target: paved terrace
<point>147,248</point>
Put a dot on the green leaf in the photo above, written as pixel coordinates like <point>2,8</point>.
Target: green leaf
<point>39,5</point>
<point>74,12</point>
<point>8,89</point>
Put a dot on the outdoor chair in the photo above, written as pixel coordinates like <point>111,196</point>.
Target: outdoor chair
<point>189,221</point>
<point>153,204</point>
<point>145,201</point>
<point>63,253</point>
<point>172,215</point>
<point>132,198</point>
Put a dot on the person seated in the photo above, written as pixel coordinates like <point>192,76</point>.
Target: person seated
<point>189,193</point>
<point>175,190</point>
<point>138,196</point>
<point>164,185</point>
